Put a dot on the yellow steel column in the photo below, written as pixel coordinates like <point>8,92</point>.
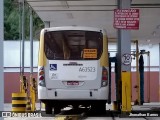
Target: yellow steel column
<point>32,93</point>
<point>30,89</point>
<point>126,91</point>
<point>34,89</point>
<point>21,83</point>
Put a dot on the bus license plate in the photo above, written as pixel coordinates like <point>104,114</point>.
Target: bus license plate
<point>72,82</point>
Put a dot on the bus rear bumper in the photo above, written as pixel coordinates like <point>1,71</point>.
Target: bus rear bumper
<point>72,94</point>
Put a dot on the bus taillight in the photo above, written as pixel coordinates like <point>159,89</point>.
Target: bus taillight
<point>41,77</point>
<point>104,77</point>
<point>41,72</point>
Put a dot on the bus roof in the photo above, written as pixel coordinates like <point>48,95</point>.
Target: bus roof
<point>75,28</point>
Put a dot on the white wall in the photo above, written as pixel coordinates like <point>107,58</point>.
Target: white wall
<point>154,55</point>
<point>12,54</point>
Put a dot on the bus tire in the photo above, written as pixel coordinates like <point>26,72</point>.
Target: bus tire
<point>57,110</point>
<point>98,108</point>
<point>48,109</point>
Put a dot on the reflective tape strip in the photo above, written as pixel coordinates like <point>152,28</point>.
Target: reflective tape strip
<point>19,98</point>
<point>19,95</point>
<point>18,105</point>
<point>19,101</point>
<point>19,109</point>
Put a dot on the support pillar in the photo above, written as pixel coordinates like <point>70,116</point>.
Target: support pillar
<point>23,35</point>
<point>124,47</point>
<point>32,86</point>
<point>31,42</point>
<point>159,71</point>
<point>1,58</point>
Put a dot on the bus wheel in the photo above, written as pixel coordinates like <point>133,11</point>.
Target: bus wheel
<point>98,108</point>
<point>48,109</point>
<point>57,110</point>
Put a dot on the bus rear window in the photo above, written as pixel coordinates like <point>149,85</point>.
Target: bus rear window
<point>73,45</point>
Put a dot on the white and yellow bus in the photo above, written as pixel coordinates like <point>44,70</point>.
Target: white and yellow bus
<point>73,68</point>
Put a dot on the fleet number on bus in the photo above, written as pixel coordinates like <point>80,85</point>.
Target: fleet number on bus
<point>87,69</point>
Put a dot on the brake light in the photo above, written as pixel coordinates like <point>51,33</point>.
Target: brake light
<point>104,74</point>
<point>41,78</point>
<point>104,77</point>
<point>41,73</point>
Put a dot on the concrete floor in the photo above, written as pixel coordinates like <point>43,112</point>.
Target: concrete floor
<point>146,106</point>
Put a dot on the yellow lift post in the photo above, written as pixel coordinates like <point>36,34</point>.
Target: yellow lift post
<point>23,84</point>
<point>33,92</point>
<point>19,100</point>
<point>138,75</point>
<point>126,91</point>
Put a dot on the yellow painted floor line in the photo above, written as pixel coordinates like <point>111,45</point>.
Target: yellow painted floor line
<point>67,117</point>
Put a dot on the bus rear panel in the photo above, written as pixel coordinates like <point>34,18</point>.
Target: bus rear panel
<point>71,73</point>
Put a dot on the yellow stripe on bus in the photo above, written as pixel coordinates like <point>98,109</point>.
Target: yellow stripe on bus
<point>42,57</point>
<point>104,58</point>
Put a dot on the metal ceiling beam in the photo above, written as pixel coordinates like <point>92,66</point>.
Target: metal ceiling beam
<point>41,10</point>
<point>151,4</point>
<point>69,10</point>
<point>62,10</point>
<point>77,6</point>
<point>146,7</point>
<point>155,4</point>
<point>133,6</point>
<point>54,0</point>
<point>101,6</point>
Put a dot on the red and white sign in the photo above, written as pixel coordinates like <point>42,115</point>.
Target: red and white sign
<point>126,19</point>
